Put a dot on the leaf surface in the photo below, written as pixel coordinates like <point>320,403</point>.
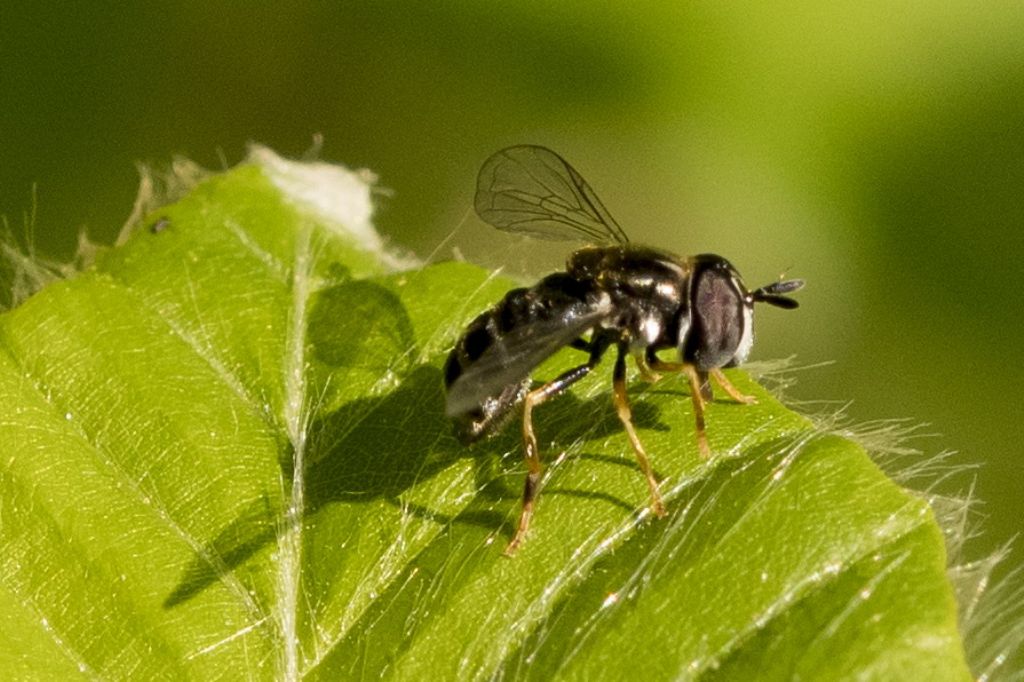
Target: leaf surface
<point>225,456</point>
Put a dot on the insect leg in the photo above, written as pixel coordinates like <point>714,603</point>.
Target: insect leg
<point>530,449</point>
<point>700,392</point>
<point>580,344</point>
<point>646,372</point>
<point>658,365</point>
<point>733,392</point>
<point>626,417</point>
<point>698,382</point>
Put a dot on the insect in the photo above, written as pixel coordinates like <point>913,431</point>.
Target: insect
<point>612,294</point>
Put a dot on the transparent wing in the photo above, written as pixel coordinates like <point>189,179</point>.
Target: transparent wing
<point>511,358</point>
<point>534,191</point>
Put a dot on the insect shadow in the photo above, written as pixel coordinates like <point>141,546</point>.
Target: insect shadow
<point>379,447</point>
<point>716,504</point>
<point>498,459</point>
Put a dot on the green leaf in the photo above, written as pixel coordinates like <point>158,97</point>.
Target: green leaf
<point>224,455</point>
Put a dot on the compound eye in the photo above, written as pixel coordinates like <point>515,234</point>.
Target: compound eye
<point>719,320</point>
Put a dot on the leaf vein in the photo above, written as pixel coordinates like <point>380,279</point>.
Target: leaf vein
<point>802,590</point>
<point>295,408</point>
<point>153,502</point>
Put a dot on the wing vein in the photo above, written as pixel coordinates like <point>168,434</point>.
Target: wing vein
<point>534,191</point>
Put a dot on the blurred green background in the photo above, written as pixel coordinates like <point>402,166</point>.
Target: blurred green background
<point>875,149</point>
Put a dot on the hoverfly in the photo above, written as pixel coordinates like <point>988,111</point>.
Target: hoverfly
<point>612,294</point>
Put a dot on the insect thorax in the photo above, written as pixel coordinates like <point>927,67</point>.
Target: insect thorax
<point>647,289</point>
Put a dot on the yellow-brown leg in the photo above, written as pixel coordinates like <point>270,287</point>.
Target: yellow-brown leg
<point>697,385</point>
<point>733,392</point>
<point>626,417</point>
<point>683,367</point>
<point>662,366</point>
<point>530,450</point>
<point>533,469</point>
<point>700,390</point>
<point>646,372</point>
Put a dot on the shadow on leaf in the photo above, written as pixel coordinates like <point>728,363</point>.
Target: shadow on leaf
<point>698,519</point>
<point>379,447</point>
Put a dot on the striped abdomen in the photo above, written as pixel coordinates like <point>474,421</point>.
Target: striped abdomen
<point>497,341</point>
